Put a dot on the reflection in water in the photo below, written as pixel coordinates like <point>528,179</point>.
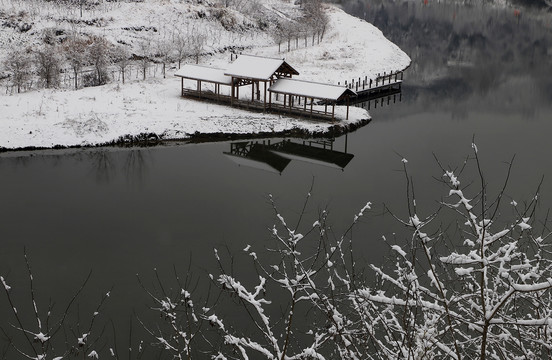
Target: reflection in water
<point>476,57</point>
<point>136,166</point>
<point>378,102</point>
<point>276,156</point>
<point>102,165</point>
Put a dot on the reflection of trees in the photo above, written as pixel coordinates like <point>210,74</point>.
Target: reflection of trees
<point>477,55</point>
<point>102,165</point>
<point>482,45</point>
<point>136,166</point>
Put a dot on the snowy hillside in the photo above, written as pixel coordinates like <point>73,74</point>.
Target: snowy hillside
<point>150,34</point>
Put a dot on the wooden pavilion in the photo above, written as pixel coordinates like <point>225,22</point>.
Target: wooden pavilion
<point>276,75</point>
<point>308,90</point>
<point>252,70</point>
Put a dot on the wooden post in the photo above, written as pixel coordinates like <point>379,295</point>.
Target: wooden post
<point>252,90</point>
<point>305,105</point>
<point>285,97</point>
<point>264,99</point>
<point>232,94</point>
<point>312,100</point>
<point>347,117</point>
<point>333,111</point>
<point>182,85</point>
<point>199,87</point>
<point>270,99</point>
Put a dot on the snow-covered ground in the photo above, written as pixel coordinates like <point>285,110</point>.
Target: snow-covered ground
<point>44,118</point>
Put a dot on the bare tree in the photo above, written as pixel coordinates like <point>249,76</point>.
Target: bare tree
<point>48,64</point>
<point>76,52</point>
<point>144,50</point>
<point>100,56</point>
<point>197,41</point>
<point>121,57</point>
<point>180,44</point>
<point>164,52</point>
<point>18,65</point>
<point>316,18</point>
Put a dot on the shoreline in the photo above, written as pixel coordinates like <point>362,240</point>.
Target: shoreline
<point>153,140</point>
<point>143,112</point>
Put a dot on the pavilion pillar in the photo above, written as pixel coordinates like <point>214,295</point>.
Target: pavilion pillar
<point>270,99</point>
<point>199,88</point>
<point>285,97</point>
<point>252,90</point>
<point>333,111</point>
<point>305,105</point>
<point>232,94</point>
<point>264,98</point>
<point>347,117</point>
<point>182,86</point>
<point>312,100</point>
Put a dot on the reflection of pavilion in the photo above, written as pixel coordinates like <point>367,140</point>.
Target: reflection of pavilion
<point>256,155</point>
<point>275,157</point>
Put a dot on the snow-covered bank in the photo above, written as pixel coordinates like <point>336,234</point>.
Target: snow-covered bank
<point>98,115</point>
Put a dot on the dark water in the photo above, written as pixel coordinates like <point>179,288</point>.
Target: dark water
<point>476,72</point>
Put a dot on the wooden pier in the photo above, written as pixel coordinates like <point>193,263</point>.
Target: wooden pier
<point>382,85</point>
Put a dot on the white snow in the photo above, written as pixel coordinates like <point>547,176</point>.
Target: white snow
<point>254,67</point>
<point>204,73</point>
<point>47,118</point>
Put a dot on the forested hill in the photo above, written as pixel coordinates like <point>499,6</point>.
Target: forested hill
<point>159,31</point>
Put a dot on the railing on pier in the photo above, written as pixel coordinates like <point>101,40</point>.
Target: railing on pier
<point>381,81</point>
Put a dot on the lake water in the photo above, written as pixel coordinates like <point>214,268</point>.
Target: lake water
<point>118,212</point>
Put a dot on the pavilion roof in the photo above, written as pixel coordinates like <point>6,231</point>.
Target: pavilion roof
<point>258,67</point>
<point>310,89</point>
<point>204,73</point>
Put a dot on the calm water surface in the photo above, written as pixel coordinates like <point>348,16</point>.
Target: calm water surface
<point>119,212</point>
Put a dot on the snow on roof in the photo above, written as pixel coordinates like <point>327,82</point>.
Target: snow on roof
<point>204,73</point>
<point>256,67</point>
<point>310,89</point>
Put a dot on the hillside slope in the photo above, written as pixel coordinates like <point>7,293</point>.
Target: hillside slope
<point>38,117</point>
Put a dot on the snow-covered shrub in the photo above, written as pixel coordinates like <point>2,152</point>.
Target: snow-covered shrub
<point>41,331</point>
<point>485,295</point>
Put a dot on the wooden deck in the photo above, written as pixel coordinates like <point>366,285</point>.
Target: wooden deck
<point>274,107</point>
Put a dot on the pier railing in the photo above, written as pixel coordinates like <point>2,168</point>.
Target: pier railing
<point>381,80</point>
